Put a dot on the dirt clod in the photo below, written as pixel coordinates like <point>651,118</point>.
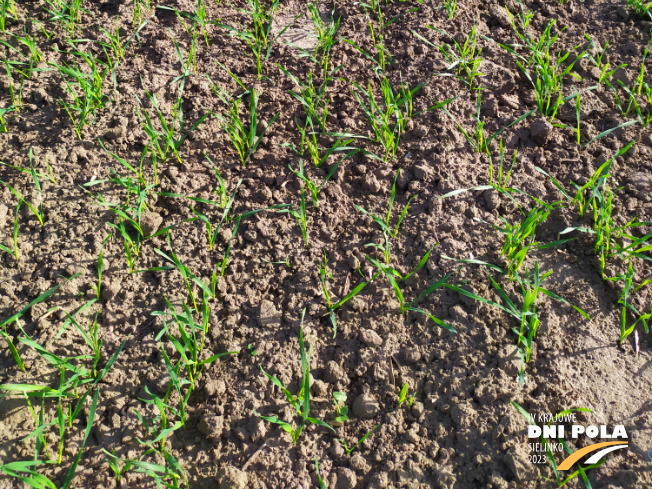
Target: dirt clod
<point>232,478</point>
<point>540,131</point>
<point>365,406</point>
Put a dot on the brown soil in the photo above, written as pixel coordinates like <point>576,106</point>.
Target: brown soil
<point>461,431</point>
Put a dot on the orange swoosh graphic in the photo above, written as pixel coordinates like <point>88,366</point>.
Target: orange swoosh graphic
<point>570,461</point>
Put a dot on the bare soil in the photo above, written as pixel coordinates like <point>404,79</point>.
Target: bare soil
<point>461,431</point>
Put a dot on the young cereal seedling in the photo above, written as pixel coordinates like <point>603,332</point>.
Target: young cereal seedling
<point>190,347</point>
<point>301,403</point>
<point>312,186</point>
<point>6,249</point>
<point>330,304</point>
<point>520,237</point>
<point>4,112</point>
<point>402,397</point>
<point>629,288</point>
<point>392,275</point>
<point>245,139</point>
<point>7,7</point>
<point>640,7</point>
<point>258,36</point>
<point>100,267</point>
<point>322,484</point>
<point>138,10</point>
<point>300,216</point>
<point>477,140</point>
<point>85,89</point>
<point>544,69</point>
<point>465,56</point>
<point>384,223</point>
<point>348,449</point>
<point>37,212</point>
<point>16,95</point>
<point>114,41</point>
<point>389,117</point>
<point>325,33</point>
<point>168,140</point>
<point>198,18</point>
<point>30,42</point>
<point>313,100</point>
<point>527,314</point>
<point>450,6</point>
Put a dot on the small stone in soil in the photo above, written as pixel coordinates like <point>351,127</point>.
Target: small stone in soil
<point>370,338</point>
<point>540,131</point>
<point>150,222</point>
<point>346,478</point>
<point>232,478</point>
<point>365,406</point>
<point>268,315</point>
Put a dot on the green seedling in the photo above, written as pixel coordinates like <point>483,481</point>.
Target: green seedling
<point>285,262</point>
<point>341,409</point>
<point>325,33</point>
<point>6,249</point>
<point>384,223</point>
<point>16,317</point>
<point>388,118</point>
<point>300,216</point>
<point>402,397</point>
<point>598,54</point>
<point>313,99</point>
<point>166,141</point>
<point>221,189</point>
<point>450,6</point>
<point>37,212</point>
<point>477,139</point>
<point>91,338</point>
<point>7,9</point>
<point>24,472</point>
<point>520,237</point>
<point>332,306</point>
<point>640,7</point>
<point>68,13</point>
<point>167,475</point>
<point>84,89</point>
<point>197,17</point>
<point>629,288</point>
<point>187,370</point>
<point>3,113</point>
<point>527,314</point>
<point>301,403</point>
<point>28,41</point>
<point>189,65</point>
<point>11,67</point>
<point>140,6</point>
<point>114,43</point>
<point>245,139</point>
<point>100,267</point>
<point>312,186</point>
<point>127,213</point>
<point>393,277</point>
<point>258,36</point>
<point>322,484</point>
<point>188,277</point>
<point>581,471</point>
<point>348,449</point>
<point>465,57</point>
<point>543,68</point>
